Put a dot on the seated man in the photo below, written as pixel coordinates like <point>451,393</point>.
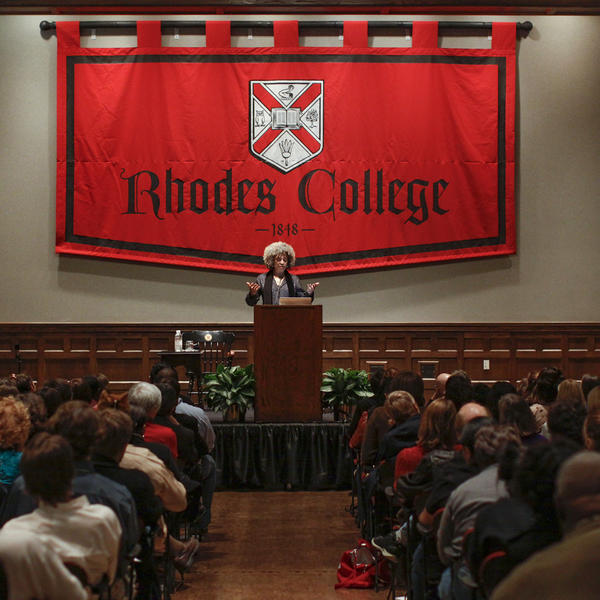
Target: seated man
<point>79,533</point>
<point>466,501</point>
<point>33,570</point>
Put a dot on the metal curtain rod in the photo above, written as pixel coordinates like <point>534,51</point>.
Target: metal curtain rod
<point>484,27</point>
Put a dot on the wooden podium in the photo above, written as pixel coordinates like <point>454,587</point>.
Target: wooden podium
<point>288,348</point>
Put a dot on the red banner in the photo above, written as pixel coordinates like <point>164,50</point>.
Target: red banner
<point>358,157</point>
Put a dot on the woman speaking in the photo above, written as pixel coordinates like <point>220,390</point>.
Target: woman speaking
<point>278,282</point>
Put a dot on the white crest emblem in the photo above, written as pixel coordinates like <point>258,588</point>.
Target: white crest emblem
<point>286,122</point>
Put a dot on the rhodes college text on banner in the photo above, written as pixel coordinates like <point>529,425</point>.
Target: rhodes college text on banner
<point>359,157</point>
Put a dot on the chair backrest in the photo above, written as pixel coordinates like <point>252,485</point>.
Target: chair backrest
<point>215,347</point>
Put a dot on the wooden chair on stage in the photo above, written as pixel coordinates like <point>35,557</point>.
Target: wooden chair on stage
<point>214,348</point>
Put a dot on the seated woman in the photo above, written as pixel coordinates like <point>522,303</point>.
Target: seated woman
<point>398,407</point>
<point>515,411</point>
<point>14,431</point>
<point>436,432</point>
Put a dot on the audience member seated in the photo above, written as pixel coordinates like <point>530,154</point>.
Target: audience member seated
<point>546,385</point>
<point>34,570</point>
<point>439,386</point>
<point>14,431</point>
<point>65,394</point>
<point>570,392</point>
<point>170,491</point>
<point>569,568</point>
<point>499,389</point>
<point>379,381</point>
<point>514,528</point>
<point>24,383</point>
<point>79,533</point>
<point>116,428</point>
<point>464,504</point>
<point>149,398</point>
<point>436,432</point>
<point>459,389</point>
<point>588,383</point>
<point>36,408</point>
<point>383,419</point>
<point>78,423</point>
<point>405,434</point>
<point>591,431</point>
<point>593,401</point>
<point>163,373</point>
<point>565,421</point>
<point>515,411</point>
<point>481,392</point>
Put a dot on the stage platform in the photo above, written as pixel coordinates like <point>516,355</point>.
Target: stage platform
<point>283,456</point>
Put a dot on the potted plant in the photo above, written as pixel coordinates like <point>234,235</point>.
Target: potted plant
<point>341,389</point>
<point>230,390</point>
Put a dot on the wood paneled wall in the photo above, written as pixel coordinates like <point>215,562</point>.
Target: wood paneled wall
<point>126,352</point>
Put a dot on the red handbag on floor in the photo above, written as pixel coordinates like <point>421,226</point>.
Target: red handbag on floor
<point>358,567</point>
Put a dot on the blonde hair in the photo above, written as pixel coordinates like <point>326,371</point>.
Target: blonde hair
<point>14,424</point>
<point>272,251</point>
<point>400,405</point>
<point>570,392</point>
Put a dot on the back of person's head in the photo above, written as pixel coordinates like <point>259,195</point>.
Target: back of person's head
<point>410,382</point>
<point>534,478</point>
<point>63,387</point>
<point>48,468</point>
<point>95,386</point>
<point>81,390</point>
<point>436,429</point>
<point>593,400</point>
<point>115,432</point>
<point>78,423</point>
<point>380,381</point>
<point>591,431</point>
<point>491,443</point>
<point>515,411</point>
<point>8,390</point>
<point>37,411</point>
<point>459,389</point>
<point>578,488</point>
<point>546,385</point>
<point>469,431</point>
<point>161,371</point>
<point>146,395</point>
<point>24,383</point>
<point>400,406</point>
<point>52,399</point>
<point>480,393</point>
<point>168,399</point>
<point>566,421</point>
<point>588,383</point>
<point>498,389</point>
<point>468,412</point>
<point>138,418</point>
<point>14,424</point>
<point>570,392</point>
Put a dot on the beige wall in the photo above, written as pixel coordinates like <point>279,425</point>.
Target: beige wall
<point>555,275</point>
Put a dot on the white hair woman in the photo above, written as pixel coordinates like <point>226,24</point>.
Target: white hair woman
<point>278,282</point>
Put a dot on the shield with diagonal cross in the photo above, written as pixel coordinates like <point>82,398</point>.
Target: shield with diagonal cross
<point>286,122</point>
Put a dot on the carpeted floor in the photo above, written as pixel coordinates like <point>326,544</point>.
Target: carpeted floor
<point>274,545</point>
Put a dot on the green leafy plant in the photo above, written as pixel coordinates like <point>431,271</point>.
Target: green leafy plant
<point>343,387</point>
<point>230,386</point>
